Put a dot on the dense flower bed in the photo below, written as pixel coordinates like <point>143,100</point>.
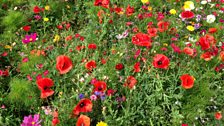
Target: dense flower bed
<point>111,63</point>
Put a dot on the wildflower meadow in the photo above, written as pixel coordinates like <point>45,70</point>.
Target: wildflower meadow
<point>111,62</point>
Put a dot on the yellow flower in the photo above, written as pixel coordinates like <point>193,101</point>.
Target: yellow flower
<point>173,11</point>
<point>149,8</point>
<point>188,5</point>
<point>190,28</point>
<point>46,19</point>
<point>8,47</point>
<point>47,8</point>
<point>101,123</point>
<point>165,44</point>
<point>145,1</point>
<point>56,38</point>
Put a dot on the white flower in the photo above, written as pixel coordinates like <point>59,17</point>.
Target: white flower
<point>210,18</point>
<point>204,2</point>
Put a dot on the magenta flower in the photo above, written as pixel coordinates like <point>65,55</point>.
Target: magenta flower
<point>31,121</point>
<point>30,38</point>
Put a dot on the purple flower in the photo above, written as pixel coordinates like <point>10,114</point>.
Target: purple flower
<point>81,96</point>
<point>31,121</point>
<point>103,97</point>
<point>198,18</point>
<point>197,26</point>
<point>30,38</point>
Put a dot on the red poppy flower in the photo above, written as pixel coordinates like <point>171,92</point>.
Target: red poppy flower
<point>161,61</point>
<point>83,120</point>
<point>152,32</point>
<point>141,39</point>
<point>100,86</point>
<point>206,41</point>
<point>218,115</point>
<point>119,66</point>
<point>26,28</point>
<point>187,14</point>
<point>85,105</point>
<point>44,84</point>
<point>206,56</point>
<point>37,10</point>
<point>137,67</point>
<point>92,46</point>
<point>163,26</point>
<point>130,82</point>
<point>103,3</point>
<point>187,81</point>
<point>90,65</point>
<point>64,64</point>
<point>129,10</point>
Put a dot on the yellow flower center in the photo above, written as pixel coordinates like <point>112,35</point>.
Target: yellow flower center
<point>33,123</point>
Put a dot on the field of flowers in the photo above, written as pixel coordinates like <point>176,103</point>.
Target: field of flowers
<point>111,62</point>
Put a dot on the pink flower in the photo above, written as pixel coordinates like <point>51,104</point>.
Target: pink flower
<point>29,77</point>
<point>25,60</point>
<point>46,72</point>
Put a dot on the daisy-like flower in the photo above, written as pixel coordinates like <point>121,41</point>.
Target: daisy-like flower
<point>101,123</point>
<point>190,28</point>
<point>210,18</point>
<point>30,38</point>
<point>188,5</point>
<point>173,11</point>
<point>31,121</point>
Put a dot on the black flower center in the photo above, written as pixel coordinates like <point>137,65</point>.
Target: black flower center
<point>82,104</point>
<point>45,87</point>
<point>159,62</point>
<point>100,88</point>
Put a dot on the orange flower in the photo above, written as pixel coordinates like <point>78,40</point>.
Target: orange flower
<point>222,56</point>
<point>189,51</point>
<point>83,120</point>
<point>130,82</point>
<point>38,52</point>
<point>85,105</point>
<point>212,30</point>
<point>64,64</point>
<point>187,81</point>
